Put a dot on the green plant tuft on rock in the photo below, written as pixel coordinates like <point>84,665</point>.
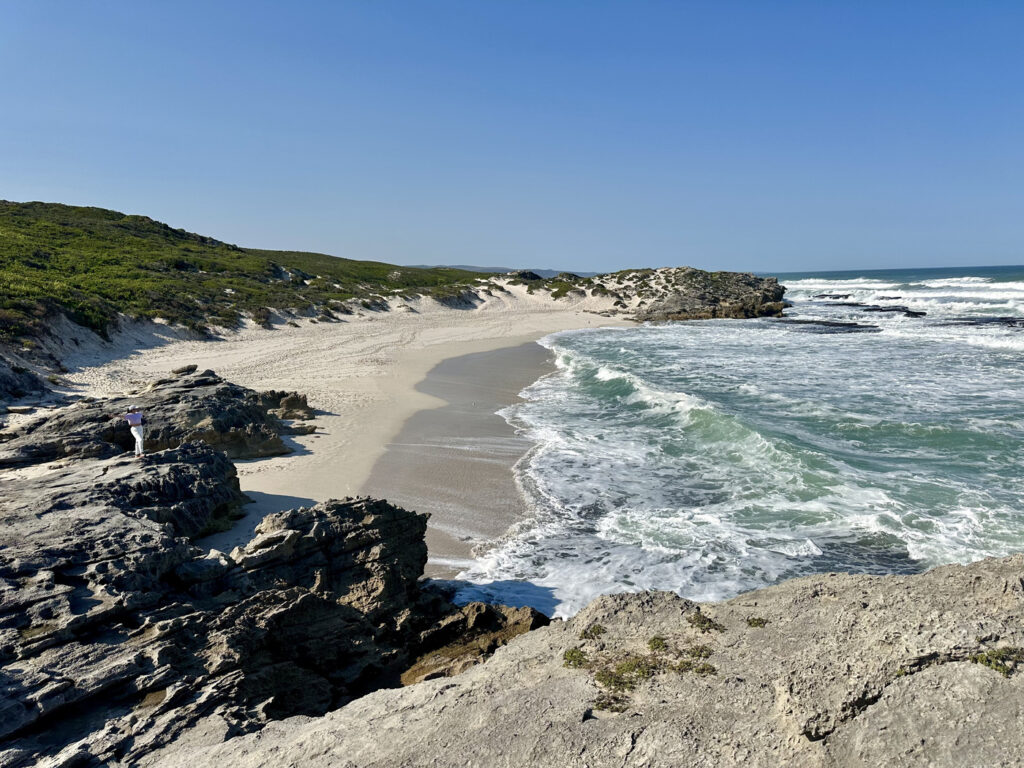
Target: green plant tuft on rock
<point>657,644</point>
<point>625,673</point>
<point>704,623</point>
<point>1003,660</point>
<point>592,632</point>
<point>698,651</point>
<point>756,621</point>
<point>574,658</point>
<point>611,702</point>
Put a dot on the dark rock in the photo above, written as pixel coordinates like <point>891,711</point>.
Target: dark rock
<point>1008,322</point>
<point>199,406</point>
<point>825,326</point>
<point>185,369</point>
<point>105,606</point>
<point>285,405</point>
<point>464,638</point>
<point>118,634</point>
<point>17,381</point>
<point>698,295</point>
<point>901,310</point>
<point>833,296</point>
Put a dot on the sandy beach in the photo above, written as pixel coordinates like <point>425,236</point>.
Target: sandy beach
<point>361,374</point>
<point>456,461</point>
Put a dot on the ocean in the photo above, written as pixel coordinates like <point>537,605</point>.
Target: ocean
<point>710,458</point>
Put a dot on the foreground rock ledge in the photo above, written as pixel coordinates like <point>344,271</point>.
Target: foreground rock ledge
<point>118,634</point>
<point>831,670</point>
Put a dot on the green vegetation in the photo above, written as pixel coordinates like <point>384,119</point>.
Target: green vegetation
<point>619,674</point>
<point>704,623</point>
<point>574,658</point>
<point>93,263</point>
<point>611,702</point>
<point>657,644</point>
<point>627,672</point>
<point>757,622</point>
<point>698,651</point>
<point>1002,660</point>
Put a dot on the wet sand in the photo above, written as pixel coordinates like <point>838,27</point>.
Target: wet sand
<point>455,462</point>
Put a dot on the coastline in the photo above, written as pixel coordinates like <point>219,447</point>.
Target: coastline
<point>361,376</point>
<point>456,461</point>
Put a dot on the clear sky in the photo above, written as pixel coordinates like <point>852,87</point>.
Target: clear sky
<point>768,136</point>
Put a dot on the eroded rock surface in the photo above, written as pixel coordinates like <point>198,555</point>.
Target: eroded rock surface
<point>831,670</point>
<point>119,635</point>
<point>178,409</point>
<point>17,381</point>
<point>693,294</point>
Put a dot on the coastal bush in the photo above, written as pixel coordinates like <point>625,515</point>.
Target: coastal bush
<point>757,622</point>
<point>592,632</point>
<point>93,264</point>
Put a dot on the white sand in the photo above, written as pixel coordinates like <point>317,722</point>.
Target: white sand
<point>361,373</point>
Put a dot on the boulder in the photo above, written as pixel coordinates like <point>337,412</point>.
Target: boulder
<point>17,381</point>
<point>192,406</point>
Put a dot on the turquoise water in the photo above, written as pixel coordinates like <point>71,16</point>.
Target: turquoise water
<point>714,457</point>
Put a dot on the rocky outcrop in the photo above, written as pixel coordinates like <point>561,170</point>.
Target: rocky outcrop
<point>693,294</point>
<point>119,635</point>
<point>116,633</point>
<point>830,670</point>
<point>17,381</point>
<point>463,638</point>
<point>184,407</point>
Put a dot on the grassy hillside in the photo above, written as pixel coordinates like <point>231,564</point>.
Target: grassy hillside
<point>93,263</point>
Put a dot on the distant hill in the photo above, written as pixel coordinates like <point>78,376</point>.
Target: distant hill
<point>545,273</point>
<point>92,264</point>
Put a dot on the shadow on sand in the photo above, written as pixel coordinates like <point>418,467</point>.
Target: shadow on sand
<point>263,504</point>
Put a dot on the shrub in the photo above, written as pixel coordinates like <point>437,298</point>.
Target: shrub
<point>574,658</point>
<point>657,644</point>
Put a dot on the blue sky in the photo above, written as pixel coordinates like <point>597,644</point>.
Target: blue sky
<point>578,135</point>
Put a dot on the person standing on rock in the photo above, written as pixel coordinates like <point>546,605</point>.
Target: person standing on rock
<point>134,419</point>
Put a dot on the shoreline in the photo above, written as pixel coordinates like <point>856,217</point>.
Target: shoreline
<point>456,462</point>
<point>360,375</point>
